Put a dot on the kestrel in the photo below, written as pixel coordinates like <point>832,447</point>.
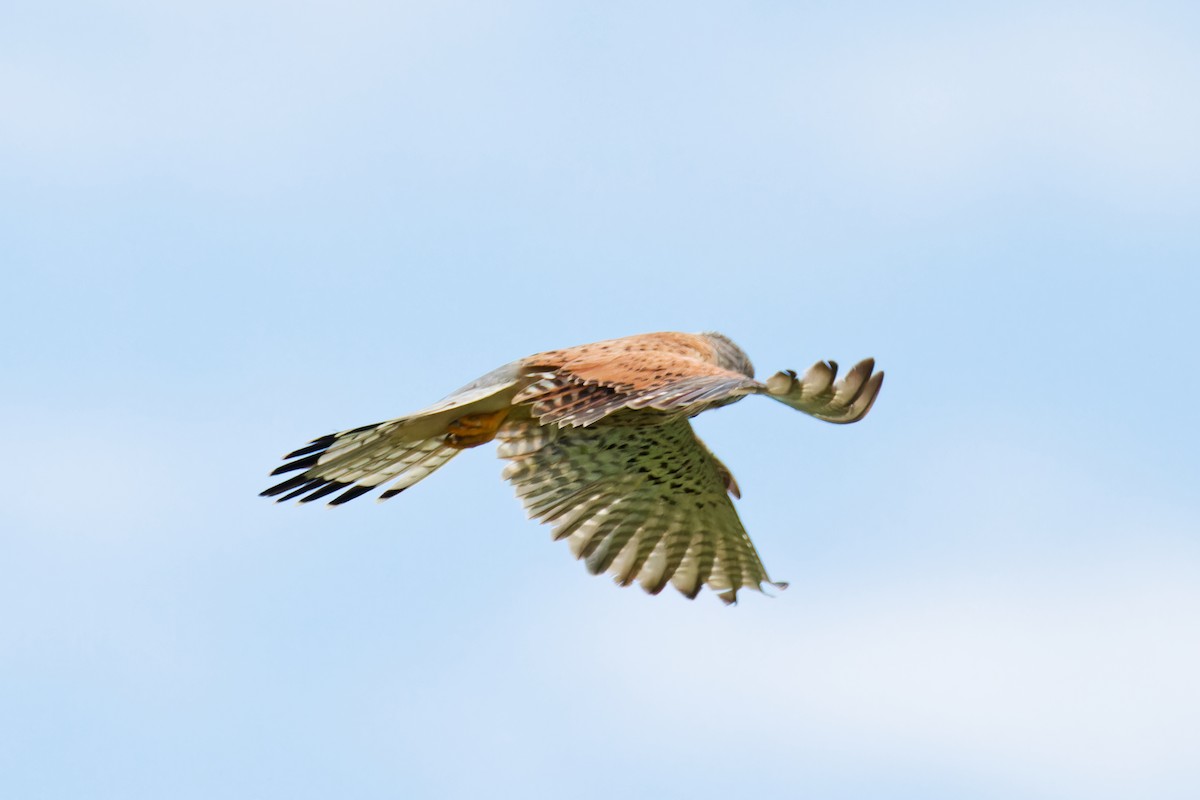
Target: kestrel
<point>599,446</point>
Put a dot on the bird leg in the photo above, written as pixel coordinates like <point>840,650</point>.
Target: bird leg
<point>471,430</point>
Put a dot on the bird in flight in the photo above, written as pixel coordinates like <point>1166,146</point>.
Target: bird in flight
<point>599,446</point>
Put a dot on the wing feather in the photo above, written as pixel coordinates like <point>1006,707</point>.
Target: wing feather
<point>404,450</point>
<point>583,390</point>
<point>818,394</point>
<point>646,502</point>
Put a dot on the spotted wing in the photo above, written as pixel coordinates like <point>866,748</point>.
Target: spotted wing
<point>647,503</point>
<point>584,390</point>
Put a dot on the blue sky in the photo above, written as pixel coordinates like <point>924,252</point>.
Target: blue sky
<point>230,227</point>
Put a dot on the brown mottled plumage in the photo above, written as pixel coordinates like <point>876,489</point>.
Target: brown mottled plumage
<point>600,447</point>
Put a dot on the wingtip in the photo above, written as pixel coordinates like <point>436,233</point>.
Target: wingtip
<point>320,443</point>
<point>349,494</point>
<point>390,493</point>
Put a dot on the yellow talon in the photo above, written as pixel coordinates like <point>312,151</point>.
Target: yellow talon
<point>472,430</point>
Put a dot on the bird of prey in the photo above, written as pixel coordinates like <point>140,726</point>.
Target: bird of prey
<point>599,446</point>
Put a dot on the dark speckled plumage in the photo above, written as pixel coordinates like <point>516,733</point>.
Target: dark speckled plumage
<point>600,447</point>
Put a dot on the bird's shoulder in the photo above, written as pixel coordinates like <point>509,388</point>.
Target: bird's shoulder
<point>631,362</point>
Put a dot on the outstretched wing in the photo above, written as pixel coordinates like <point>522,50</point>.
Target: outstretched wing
<point>402,451</point>
<point>584,390</point>
<point>358,461</point>
<point>819,395</point>
<point>645,502</point>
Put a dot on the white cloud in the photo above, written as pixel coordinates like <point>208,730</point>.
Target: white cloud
<point>1091,92</point>
<point>934,105</point>
<point>1080,683</point>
